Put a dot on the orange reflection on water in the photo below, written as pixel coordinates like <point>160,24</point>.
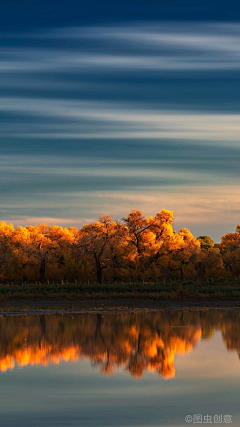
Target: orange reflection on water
<point>134,342</point>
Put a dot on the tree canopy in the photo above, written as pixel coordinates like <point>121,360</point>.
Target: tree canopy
<point>137,248</point>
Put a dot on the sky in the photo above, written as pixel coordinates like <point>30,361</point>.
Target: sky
<point>107,107</point>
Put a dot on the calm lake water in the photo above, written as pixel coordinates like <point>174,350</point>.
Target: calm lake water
<point>123,369</point>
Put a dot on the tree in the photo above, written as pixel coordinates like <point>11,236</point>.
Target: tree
<point>96,239</point>
<point>39,247</point>
<point>206,242</point>
<point>6,250</point>
<point>181,252</point>
<point>230,251</point>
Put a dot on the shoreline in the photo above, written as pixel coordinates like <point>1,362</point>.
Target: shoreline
<point>28,307</point>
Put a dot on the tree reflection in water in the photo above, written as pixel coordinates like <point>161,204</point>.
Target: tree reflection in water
<point>136,342</point>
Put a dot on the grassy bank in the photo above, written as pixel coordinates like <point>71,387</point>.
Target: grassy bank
<point>221,289</point>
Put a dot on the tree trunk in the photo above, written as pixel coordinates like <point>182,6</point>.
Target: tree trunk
<point>99,269</point>
<point>99,273</point>
<point>42,269</point>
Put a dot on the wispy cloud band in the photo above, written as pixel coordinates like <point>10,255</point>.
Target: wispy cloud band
<point>156,47</point>
<point>108,120</point>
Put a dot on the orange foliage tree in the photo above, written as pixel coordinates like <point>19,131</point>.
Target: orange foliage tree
<point>138,248</point>
<point>230,252</point>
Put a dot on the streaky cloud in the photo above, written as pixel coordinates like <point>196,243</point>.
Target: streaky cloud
<point>156,46</point>
<point>109,120</point>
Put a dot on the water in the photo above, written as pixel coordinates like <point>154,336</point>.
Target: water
<point>123,369</point>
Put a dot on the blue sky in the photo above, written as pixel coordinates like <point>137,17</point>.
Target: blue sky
<point>107,107</point>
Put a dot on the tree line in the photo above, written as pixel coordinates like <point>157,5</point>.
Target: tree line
<point>135,249</point>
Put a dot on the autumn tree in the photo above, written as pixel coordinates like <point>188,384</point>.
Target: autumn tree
<point>96,239</point>
<point>179,253</point>
<point>147,236</point>
<point>62,264</point>
<point>230,251</point>
<point>209,261</point>
<point>206,242</point>
<point>136,248</point>
<point>6,251</point>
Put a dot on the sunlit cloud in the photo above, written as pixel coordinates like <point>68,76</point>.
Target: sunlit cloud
<point>213,210</point>
<point>206,205</point>
<point>24,220</point>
